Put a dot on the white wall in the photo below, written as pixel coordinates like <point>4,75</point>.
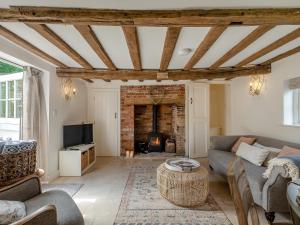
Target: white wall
<point>263,114</point>
<point>58,111</point>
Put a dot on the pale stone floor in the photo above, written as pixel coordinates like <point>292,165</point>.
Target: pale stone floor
<point>100,197</point>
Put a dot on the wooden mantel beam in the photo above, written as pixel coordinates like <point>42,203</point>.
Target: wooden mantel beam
<point>52,37</point>
<point>195,17</point>
<point>171,74</point>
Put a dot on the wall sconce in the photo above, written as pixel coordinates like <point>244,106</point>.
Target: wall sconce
<point>256,84</point>
<point>68,89</point>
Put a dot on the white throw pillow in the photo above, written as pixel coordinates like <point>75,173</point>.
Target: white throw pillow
<point>272,149</point>
<point>252,154</point>
<point>11,211</point>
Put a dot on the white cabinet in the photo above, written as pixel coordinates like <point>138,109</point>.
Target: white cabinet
<point>76,160</point>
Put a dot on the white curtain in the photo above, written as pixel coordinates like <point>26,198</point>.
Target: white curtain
<point>31,120</point>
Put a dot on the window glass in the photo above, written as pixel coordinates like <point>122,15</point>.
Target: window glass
<point>11,88</point>
<point>3,90</point>
<point>10,109</point>
<point>2,108</point>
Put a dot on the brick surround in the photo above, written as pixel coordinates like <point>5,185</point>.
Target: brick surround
<point>136,115</point>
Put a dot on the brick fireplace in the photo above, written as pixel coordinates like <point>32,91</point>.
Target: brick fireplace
<point>136,114</point>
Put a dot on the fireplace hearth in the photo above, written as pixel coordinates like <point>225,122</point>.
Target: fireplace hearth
<point>155,139</point>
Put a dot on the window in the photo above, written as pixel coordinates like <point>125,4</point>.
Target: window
<point>292,102</point>
<point>11,93</point>
<point>11,98</point>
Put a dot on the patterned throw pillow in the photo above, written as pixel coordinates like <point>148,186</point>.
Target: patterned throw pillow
<point>247,140</point>
<point>11,211</point>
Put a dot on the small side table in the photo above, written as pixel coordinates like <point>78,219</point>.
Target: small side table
<point>187,189</point>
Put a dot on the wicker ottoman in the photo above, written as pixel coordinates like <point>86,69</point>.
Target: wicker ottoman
<point>186,189</point>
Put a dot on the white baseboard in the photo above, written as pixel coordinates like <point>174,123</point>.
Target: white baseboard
<point>52,176</point>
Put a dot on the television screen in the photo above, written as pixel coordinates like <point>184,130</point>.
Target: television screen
<point>88,133</point>
<point>73,135</point>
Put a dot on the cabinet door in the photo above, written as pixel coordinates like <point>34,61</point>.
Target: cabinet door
<point>106,122</point>
<point>198,119</point>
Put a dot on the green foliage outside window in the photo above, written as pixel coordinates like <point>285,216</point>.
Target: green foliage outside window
<point>6,68</point>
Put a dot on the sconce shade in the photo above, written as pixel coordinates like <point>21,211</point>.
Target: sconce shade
<point>68,89</point>
<point>256,84</point>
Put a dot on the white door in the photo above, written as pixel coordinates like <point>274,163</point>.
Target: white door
<point>106,122</point>
<point>198,119</point>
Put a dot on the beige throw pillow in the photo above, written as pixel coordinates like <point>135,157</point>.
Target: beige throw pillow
<point>252,154</point>
<point>273,153</point>
<point>248,140</point>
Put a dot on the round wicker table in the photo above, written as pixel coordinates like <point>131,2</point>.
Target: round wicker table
<point>186,189</point>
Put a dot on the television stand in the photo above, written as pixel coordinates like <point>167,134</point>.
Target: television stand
<point>76,160</point>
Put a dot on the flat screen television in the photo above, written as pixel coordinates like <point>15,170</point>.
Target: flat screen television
<point>73,135</point>
<point>87,133</point>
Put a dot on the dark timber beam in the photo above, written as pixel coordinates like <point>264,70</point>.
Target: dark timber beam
<point>253,36</point>
<point>52,37</point>
<point>28,46</point>
<point>169,46</point>
<point>171,74</point>
<point>283,55</point>
<point>195,17</point>
<point>213,34</point>
<point>276,44</point>
<point>132,40</point>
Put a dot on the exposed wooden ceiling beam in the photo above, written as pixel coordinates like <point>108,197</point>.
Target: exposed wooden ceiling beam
<point>169,46</point>
<point>280,42</point>
<point>88,80</point>
<point>132,40</point>
<point>283,55</point>
<point>29,47</point>
<point>88,34</point>
<point>213,34</point>
<point>48,34</point>
<point>253,36</point>
<point>196,17</point>
<point>172,74</point>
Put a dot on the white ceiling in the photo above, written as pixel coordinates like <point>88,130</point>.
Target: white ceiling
<point>156,4</point>
<point>151,42</point>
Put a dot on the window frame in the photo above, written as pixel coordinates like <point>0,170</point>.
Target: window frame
<point>296,106</point>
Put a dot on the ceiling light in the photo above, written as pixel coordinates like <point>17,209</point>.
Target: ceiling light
<point>184,51</point>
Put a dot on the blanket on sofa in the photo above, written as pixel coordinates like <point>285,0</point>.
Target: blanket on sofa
<point>290,164</point>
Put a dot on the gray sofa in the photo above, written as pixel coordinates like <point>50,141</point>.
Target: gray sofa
<point>48,208</point>
<point>270,193</point>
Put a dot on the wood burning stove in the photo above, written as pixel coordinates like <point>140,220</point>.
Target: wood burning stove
<point>155,139</point>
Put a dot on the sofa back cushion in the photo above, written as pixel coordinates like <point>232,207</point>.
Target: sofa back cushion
<point>247,140</point>
<point>289,151</point>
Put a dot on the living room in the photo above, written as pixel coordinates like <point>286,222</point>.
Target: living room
<point>140,112</point>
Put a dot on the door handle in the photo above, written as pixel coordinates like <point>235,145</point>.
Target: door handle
<point>191,100</point>
<point>116,115</point>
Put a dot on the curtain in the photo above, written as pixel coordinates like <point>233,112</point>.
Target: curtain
<point>31,120</point>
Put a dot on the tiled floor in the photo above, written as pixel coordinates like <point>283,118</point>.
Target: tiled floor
<point>101,194</point>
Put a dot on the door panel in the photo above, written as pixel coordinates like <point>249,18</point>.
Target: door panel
<point>198,120</point>
<point>106,123</point>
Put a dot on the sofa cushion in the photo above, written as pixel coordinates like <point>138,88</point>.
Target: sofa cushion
<point>252,154</point>
<point>219,160</point>
<point>256,180</point>
<point>67,211</point>
<point>247,140</point>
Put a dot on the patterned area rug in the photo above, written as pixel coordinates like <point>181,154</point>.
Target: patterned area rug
<point>142,204</point>
<point>71,189</point>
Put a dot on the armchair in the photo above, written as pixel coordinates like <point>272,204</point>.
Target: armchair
<point>48,208</point>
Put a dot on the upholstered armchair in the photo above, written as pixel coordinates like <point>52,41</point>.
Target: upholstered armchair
<point>48,208</point>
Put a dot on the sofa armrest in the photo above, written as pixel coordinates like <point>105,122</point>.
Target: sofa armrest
<point>223,143</point>
<point>43,216</point>
<point>22,190</point>
<point>274,191</point>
